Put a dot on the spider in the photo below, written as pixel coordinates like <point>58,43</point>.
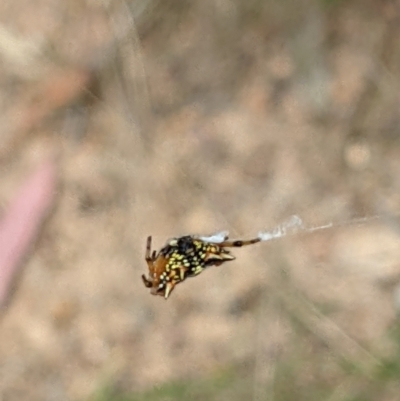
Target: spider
<point>185,257</point>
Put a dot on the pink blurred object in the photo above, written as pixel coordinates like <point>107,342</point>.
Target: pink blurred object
<point>22,220</point>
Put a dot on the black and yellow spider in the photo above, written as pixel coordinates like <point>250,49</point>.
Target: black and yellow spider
<point>185,257</point>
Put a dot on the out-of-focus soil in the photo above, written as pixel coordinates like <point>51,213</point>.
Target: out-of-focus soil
<point>173,120</point>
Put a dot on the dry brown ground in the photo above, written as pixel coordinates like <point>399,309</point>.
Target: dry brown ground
<point>173,119</point>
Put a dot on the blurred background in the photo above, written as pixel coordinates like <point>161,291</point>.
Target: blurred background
<point>189,117</point>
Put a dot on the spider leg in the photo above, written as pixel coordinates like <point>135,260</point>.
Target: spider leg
<point>146,281</point>
<point>216,259</point>
<point>149,260</point>
<point>148,249</point>
<point>238,243</point>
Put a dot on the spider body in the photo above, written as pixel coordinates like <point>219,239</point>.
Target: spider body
<point>185,257</point>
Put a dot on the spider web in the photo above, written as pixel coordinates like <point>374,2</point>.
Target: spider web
<point>296,303</point>
<point>294,225</point>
